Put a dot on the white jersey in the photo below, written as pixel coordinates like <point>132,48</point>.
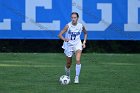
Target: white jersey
<point>73,34</point>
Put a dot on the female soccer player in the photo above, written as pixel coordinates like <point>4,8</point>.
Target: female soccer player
<point>72,43</point>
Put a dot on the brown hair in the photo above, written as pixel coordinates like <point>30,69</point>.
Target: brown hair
<point>75,13</point>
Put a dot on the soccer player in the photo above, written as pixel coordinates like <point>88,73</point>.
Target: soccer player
<point>72,43</point>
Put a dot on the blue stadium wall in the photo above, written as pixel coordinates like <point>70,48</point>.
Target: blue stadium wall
<point>43,19</point>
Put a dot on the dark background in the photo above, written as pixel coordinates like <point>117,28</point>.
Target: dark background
<point>54,46</point>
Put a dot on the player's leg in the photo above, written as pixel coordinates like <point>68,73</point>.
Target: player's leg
<point>68,65</point>
<point>78,65</point>
<point>68,61</point>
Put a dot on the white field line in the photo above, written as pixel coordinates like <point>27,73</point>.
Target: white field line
<point>11,61</point>
<point>125,64</point>
<point>17,65</point>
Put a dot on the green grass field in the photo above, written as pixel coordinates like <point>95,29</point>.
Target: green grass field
<point>40,72</point>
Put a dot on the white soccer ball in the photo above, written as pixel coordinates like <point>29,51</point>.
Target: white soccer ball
<point>64,80</point>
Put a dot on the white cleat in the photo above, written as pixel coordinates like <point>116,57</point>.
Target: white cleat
<point>76,80</point>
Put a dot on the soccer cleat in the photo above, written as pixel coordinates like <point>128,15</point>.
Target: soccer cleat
<point>76,80</point>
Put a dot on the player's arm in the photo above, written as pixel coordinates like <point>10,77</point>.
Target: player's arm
<point>60,35</point>
<point>85,37</point>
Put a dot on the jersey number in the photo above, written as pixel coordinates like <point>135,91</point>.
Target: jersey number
<point>73,37</point>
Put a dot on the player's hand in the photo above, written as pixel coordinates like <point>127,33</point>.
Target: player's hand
<point>84,45</point>
<point>66,40</point>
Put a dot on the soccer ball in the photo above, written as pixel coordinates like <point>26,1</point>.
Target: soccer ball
<point>64,80</point>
